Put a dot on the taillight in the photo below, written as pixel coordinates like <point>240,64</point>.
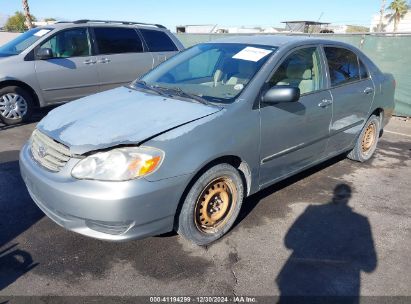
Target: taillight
<point>394,83</point>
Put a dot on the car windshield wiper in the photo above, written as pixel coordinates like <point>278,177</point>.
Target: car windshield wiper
<point>182,93</point>
<point>148,87</point>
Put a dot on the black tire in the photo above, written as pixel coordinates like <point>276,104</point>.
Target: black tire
<point>191,224</point>
<point>26,112</point>
<point>367,140</point>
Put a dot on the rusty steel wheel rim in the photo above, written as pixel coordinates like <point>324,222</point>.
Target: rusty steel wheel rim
<point>215,204</point>
<point>369,138</point>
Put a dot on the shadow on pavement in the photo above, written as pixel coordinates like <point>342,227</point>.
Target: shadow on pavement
<point>14,263</point>
<point>251,202</point>
<point>18,211</point>
<point>331,246</point>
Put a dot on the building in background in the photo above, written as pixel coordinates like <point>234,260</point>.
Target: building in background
<point>305,26</point>
<point>43,23</point>
<point>404,25</point>
<point>216,29</point>
<point>196,28</point>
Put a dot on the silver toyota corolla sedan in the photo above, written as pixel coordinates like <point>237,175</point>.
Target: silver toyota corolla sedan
<point>183,146</point>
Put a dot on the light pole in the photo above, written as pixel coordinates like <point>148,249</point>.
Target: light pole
<point>382,13</point>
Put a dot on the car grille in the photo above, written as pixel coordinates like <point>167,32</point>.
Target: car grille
<point>49,153</point>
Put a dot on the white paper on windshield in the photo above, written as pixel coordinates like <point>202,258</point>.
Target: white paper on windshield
<point>41,33</point>
<point>252,54</point>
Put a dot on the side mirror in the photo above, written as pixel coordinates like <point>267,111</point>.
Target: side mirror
<point>44,54</point>
<point>280,94</point>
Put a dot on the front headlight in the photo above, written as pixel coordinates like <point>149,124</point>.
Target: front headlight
<point>119,164</point>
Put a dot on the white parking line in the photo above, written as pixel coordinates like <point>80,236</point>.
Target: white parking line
<point>402,134</point>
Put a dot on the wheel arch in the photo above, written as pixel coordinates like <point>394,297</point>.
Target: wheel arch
<point>23,85</point>
<point>233,160</point>
<point>380,113</point>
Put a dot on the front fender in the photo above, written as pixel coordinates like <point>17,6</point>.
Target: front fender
<point>230,132</point>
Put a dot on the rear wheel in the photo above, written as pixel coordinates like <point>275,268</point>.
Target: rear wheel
<point>16,105</point>
<point>212,205</point>
<point>367,141</point>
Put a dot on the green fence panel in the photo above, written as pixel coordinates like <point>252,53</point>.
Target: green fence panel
<point>390,52</point>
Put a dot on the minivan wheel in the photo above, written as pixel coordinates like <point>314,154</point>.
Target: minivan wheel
<point>211,205</point>
<point>367,141</point>
<point>16,105</point>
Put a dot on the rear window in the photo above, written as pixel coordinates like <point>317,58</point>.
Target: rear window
<point>117,40</point>
<point>158,41</point>
<point>343,65</point>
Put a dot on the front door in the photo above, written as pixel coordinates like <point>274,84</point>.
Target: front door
<point>72,72</point>
<point>294,135</point>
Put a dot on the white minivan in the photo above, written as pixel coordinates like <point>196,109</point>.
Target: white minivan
<point>68,60</point>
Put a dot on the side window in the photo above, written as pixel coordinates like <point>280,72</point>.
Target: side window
<point>158,41</point>
<point>112,40</point>
<point>301,69</point>
<point>363,70</point>
<point>343,65</point>
<point>69,43</point>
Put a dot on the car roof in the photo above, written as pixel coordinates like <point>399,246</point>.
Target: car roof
<point>279,40</point>
<point>63,25</point>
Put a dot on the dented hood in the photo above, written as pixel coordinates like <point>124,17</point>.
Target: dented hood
<point>116,117</point>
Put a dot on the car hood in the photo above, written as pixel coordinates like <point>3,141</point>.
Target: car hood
<point>3,55</point>
<point>117,117</point>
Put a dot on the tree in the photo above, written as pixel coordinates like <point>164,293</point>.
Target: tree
<point>399,8</point>
<point>16,23</point>
<point>49,19</point>
<point>357,29</point>
<point>27,15</point>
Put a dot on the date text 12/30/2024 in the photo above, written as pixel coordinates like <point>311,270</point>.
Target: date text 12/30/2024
<point>201,299</point>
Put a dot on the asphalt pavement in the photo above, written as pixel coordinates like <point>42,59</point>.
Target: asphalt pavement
<point>300,236</point>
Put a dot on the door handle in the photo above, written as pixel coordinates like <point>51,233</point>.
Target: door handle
<point>89,61</point>
<point>368,90</point>
<point>104,60</point>
<point>325,103</point>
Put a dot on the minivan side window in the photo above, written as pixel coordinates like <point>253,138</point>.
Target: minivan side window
<point>158,41</point>
<point>343,65</point>
<point>111,40</point>
<point>301,69</point>
<point>69,43</point>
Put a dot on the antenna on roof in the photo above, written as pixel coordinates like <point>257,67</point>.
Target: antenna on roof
<point>322,13</point>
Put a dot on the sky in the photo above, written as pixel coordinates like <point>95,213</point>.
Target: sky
<point>221,12</point>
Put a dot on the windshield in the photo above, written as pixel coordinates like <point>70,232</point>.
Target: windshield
<point>216,72</point>
<point>22,42</point>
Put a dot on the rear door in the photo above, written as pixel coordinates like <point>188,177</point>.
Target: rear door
<point>121,57</point>
<point>72,72</point>
<point>353,92</point>
<point>159,44</point>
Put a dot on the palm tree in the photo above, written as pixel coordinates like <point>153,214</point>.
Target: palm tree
<point>26,8</point>
<point>399,8</point>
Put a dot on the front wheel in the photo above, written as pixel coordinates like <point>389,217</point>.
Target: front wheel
<point>16,105</point>
<point>212,205</point>
<point>367,141</point>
